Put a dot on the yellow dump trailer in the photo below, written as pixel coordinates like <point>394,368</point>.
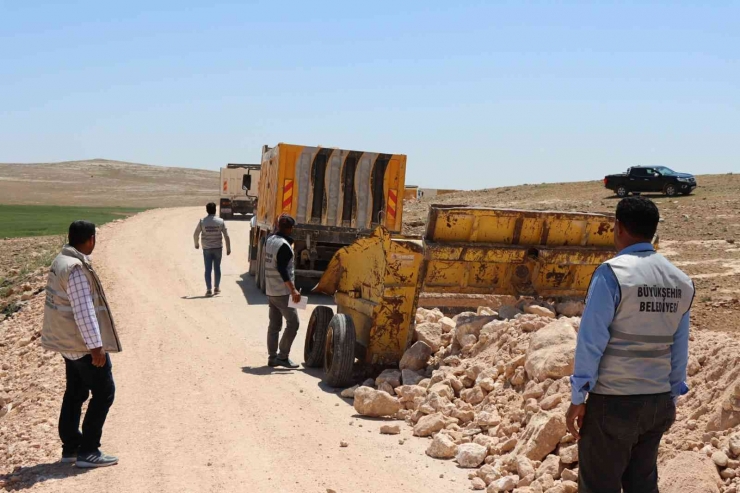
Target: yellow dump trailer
<point>376,281</point>
<point>523,253</point>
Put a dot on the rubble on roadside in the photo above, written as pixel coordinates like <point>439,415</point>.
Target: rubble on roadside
<point>495,389</point>
<point>31,386</point>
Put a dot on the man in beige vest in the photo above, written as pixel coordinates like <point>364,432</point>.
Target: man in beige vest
<point>78,324</point>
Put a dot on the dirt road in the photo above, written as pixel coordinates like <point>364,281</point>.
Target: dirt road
<point>196,408</point>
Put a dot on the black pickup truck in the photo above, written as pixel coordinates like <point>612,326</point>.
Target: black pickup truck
<point>642,179</point>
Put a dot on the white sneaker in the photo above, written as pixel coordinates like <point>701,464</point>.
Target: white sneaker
<point>96,459</point>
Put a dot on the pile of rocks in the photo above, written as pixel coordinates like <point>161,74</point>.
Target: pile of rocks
<point>490,390</point>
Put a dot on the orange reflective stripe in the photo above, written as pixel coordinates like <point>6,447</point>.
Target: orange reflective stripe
<point>287,195</point>
<point>391,209</point>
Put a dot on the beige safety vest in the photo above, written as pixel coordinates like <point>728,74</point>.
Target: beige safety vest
<point>274,284</point>
<point>60,332</point>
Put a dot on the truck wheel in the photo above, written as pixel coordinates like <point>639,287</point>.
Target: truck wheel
<point>670,190</point>
<point>259,279</point>
<point>622,191</point>
<point>257,272</point>
<point>313,350</point>
<point>263,281</point>
<point>339,357</point>
<point>253,262</point>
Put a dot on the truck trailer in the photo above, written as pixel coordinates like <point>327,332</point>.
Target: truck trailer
<point>239,186</point>
<point>335,196</point>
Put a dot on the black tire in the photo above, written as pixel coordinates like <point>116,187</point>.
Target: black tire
<point>259,279</point>
<point>670,190</point>
<point>339,357</point>
<point>263,282</point>
<point>258,266</point>
<point>315,346</point>
<point>253,262</point>
<point>622,191</point>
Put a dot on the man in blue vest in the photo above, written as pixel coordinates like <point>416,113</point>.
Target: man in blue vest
<point>631,358</point>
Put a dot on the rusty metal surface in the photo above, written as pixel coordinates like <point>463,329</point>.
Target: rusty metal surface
<point>376,281</point>
<point>514,252</point>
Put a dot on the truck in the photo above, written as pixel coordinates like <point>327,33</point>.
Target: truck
<point>640,179</point>
<point>335,196</point>
<point>239,186</point>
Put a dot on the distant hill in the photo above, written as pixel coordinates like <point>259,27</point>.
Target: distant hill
<point>102,182</point>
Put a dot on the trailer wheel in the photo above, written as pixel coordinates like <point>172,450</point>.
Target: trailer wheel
<point>340,351</point>
<point>259,279</point>
<point>313,350</point>
<point>263,281</point>
<point>253,262</point>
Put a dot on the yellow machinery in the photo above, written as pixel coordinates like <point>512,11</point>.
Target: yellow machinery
<point>377,280</point>
<point>523,253</point>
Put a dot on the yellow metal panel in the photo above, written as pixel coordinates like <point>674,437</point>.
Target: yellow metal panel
<point>453,227</point>
<point>379,275</point>
<point>504,251</point>
<point>495,229</point>
<point>532,230</point>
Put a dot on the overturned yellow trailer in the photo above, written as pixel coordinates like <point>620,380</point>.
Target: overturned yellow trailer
<point>376,281</point>
<point>517,252</point>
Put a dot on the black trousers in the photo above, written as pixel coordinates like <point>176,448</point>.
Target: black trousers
<point>619,442</point>
<point>83,378</point>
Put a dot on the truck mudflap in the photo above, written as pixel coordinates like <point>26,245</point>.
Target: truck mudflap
<point>473,250</point>
<point>376,281</point>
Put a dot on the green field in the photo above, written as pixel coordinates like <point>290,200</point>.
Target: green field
<point>42,220</point>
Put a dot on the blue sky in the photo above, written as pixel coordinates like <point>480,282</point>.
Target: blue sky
<point>477,94</point>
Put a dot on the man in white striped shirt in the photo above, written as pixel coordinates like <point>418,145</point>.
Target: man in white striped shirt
<point>78,324</point>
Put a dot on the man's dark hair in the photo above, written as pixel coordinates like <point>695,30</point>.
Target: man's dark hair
<point>211,208</point>
<point>285,222</point>
<point>639,216</point>
<point>80,232</point>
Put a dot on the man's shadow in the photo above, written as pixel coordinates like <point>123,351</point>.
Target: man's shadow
<point>268,370</point>
<point>26,477</point>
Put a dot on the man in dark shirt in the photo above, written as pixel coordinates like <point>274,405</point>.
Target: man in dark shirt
<point>280,287</point>
<point>284,256</point>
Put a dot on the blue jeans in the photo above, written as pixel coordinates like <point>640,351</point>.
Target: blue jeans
<point>212,259</point>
